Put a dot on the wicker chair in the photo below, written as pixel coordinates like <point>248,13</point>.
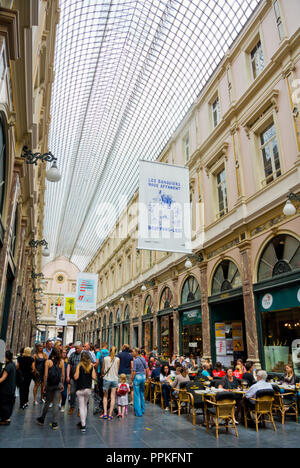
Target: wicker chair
<point>157,393</point>
<point>148,390</point>
<point>195,400</point>
<point>221,409</point>
<point>262,408</point>
<point>285,403</point>
<point>179,396</point>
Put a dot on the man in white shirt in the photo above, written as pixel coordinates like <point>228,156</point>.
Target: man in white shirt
<point>260,385</point>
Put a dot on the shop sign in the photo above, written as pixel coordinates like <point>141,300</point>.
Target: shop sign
<point>281,299</point>
<point>267,301</point>
<point>191,316</point>
<point>193,345</point>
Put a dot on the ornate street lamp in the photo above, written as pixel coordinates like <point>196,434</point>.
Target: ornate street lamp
<point>34,244</point>
<point>289,208</point>
<point>52,174</point>
<point>37,275</point>
<point>197,257</point>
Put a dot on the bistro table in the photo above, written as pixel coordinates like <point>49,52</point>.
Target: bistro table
<point>210,394</point>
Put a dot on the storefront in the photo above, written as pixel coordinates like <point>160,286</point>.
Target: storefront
<point>147,323</point>
<point>135,333</point>
<point>278,307</point>
<point>277,295</point>
<point>227,321</point>
<point>190,318</point>
<point>165,324</point>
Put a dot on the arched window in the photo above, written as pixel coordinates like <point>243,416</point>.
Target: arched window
<point>226,277</point>
<point>190,291</point>
<point>165,299</point>
<point>2,164</point>
<point>110,319</point>
<point>148,305</point>
<point>126,312</point>
<point>281,255</point>
<point>118,316</point>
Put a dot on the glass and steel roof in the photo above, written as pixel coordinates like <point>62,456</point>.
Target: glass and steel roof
<point>126,73</point>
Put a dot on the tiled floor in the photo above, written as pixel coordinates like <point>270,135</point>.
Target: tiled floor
<point>157,429</point>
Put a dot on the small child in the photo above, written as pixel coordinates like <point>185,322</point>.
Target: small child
<point>122,396</point>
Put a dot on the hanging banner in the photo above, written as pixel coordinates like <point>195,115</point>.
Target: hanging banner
<point>164,208</point>
<point>61,319</point>
<point>70,310</point>
<point>86,291</point>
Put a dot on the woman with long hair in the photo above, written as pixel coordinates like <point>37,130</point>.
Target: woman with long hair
<point>64,394</point>
<point>39,359</point>
<point>139,374</point>
<point>54,378</point>
<point>110,374</point>
<point>25,368</point>
<point>165,379</point>
<point>83,376</point>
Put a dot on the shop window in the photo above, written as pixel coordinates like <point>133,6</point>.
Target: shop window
<point>226,277</point>
<point>165,299</point>
<point>257,60</point>
<point>281,255</point>
<point>281,334</point>
<point>190,291</point>
<point>2,165</point>
<point>148,305</point>
<point>270,153</point>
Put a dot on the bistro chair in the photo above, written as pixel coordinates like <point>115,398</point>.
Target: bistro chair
<point>262,408</point>
<point>196,401</point>
<point>148,390</point>
<point>221,409</point>
<point>157,392</point>
<point>179,396</point>
<point>285,403</point>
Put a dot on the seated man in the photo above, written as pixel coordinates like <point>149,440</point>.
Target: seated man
<point>260,385</point>
<point>205,372</point>
<point>248,375</point>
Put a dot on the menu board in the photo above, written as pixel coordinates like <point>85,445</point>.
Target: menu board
<point>237,336</point>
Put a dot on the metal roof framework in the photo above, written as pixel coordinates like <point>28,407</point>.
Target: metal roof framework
<point>126,73</point>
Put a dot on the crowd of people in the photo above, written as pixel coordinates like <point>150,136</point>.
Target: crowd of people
<point>65,375</point>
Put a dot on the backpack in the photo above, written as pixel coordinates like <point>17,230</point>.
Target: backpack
<point>54,376</point>
<point>123,389</point>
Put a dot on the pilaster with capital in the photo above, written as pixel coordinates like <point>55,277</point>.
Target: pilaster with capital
<point>249,305</point>
<point>205,312</point>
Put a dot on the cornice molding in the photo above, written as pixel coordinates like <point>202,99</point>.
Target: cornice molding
<point>9,29</point>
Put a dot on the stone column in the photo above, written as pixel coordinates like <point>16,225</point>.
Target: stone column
<point>175,316</point>
<point>249,305</point>
<point>205,312</point>
<point>155,320</point>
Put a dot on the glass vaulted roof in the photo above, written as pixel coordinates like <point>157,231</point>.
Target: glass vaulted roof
<point>126,73</point>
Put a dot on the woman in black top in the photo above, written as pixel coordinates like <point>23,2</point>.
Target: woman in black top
<point>25,367</point>
<point>7,389</point>
<point>83,376</point>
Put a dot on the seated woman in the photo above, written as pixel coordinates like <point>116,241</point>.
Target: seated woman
<point>289,377</point>
<point>248,375</point>
<point>238,372</point>
<point>165,378</point>
<point>218,371</point>
<point>230,382</point>
<point>172,361</point>
<point>240,363</point>
<point>181,376</point>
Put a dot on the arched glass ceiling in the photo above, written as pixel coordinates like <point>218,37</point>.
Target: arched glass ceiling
<point>126,72</point>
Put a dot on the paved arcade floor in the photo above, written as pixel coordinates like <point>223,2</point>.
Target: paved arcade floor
<point>157,429</point>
